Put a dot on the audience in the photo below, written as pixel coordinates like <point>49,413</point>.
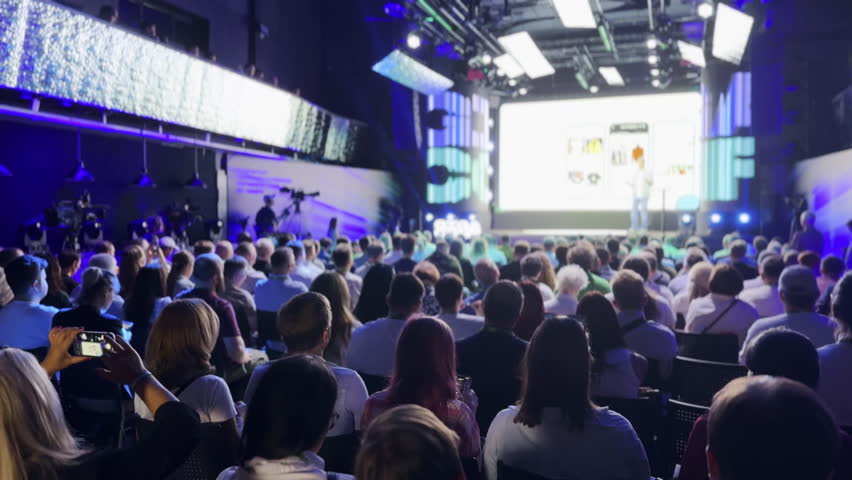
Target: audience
<point>532,266</point>
<point>372,302</point>
<point>583,254</point>
<point>287,422</point>
<point>556,431</point>
<point>302,272</point>
<point>247,251</point>
<point>69,263</point>
<point>24,322</point>
<point>766,299</point>
<point>657,281</point>
<point>342,259</point>
<point>487,274</point>
<point>698,286</point>
<point>830,270</point>
<point>178,279</point>
<point>809,238</point>
<point>512,270</point>
<point>680,282</point>
<point>203,246</point>
<point>271,294</point>
<point>144,304</point>
<point>449,292</point>
<point>425,374</point>
<point>616,371</point>
<point>835,360</point>
<point>570,280</point>
<point>799,292</point>
<point>739,260</point>
<point>409,442</point>
<point>373,346</point>
<point>332,286</point>
<point>224,249</point>
<point>492,357</point>
<point>265,248</point>
<point>656,307</point>
<point>810,259</point>
<point>235,275</point>
<point>532,313</point>
<point>457,252</point>
<point>406,264</point>
<point>429,274</point>
<point>443,261</point>
<point>375,254</point>
<point>56,296</point>
<point>721,312</point>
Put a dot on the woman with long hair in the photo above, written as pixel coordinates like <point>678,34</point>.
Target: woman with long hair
<point>178,279</point>
<point>556,431</point>
<point>532,313</point>
<point>548,273</point>
<point>617,372</point>
<point>333,287</point>
<point>372,303</point>
<point>56,297</point>
<point>425,374</point>
<point>146,301</point>
<point>36,443</point>
<point>133,259</point>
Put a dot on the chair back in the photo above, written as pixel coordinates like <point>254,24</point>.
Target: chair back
<point>644,414</point>
<point>374,383</point>
<point>696,381</point>
<point>470,466</point>
<point>703,346</point>
<point>267,329</point>
<point>339,452</point>
<point>213,453</point>
<point>680,417</point>
<point>506,472</point>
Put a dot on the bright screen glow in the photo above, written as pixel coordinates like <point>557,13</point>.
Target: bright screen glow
<point>730,34</point>
<point>403,69</point>
<point>577,155</point>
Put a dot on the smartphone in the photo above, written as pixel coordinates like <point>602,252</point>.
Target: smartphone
<point>463,384</point>
<point>91,344</point>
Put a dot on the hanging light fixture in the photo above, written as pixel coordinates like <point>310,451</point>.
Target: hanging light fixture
<point>144,180</point>
<point>81,175</point>
<point>195,182</point>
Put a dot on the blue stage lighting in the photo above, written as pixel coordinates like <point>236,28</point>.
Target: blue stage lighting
<point>744,218</point>
<point>430,217</point>
<point>394,9</point>
<point>715,218</point>
<point>686,219</point>
<point>471,217</point>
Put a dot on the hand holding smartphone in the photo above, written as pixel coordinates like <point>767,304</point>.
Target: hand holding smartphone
<point>91,344</point>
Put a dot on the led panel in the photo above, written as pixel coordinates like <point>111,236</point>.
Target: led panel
<point>693,54</point>
<point>731,33</point>
<point>407,71</point>
<point>508,64</point>
<point>612,76</point>
<point>575,13</point>
<point>524,50</point>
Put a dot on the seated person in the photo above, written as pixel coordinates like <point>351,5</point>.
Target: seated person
<point>531,270</point>
<point>287,421</point>
<point>449,292</point>
<point>425,374</point>
<point>409,442</point>
<point>570,280</point>
<point>722,312</point>
<point>835,360</point>
<point>765,298</point>
<point>556,431</point>
<point>24,323</point>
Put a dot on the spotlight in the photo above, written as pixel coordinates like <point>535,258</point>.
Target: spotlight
<point>594,89</point>
<point>500,72</point>
<point>652,42</point>
<point>512,82</point>
<point>655,72</point>
<point>744,218</point>
<point>413,41</point>
<point>523,91</point>
<point>486,59</point>
<point>430,217</point>
<point>715,218</point>
<point>653,59</point>
<point>450,216</point>
<point>656,83</point>
<point>490,171</point>
<point>472,217</point>
<point>686,219</point>
<point>706,9</point>
<point>394,9</point>
<point>490,146</point>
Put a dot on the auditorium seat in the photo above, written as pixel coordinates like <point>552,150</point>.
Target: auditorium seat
<point>374,383</point>
<point>677,424</point>
<point>696,381</point>
<point>645,414</point>
<point>702,346</point>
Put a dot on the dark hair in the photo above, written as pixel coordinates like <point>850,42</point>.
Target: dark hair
<point>303,320</point>
<point>425,368</point>
<point>68,258</point>
<point>603,255</point>
<point>650,257</point>
<point>373,301</point>
<point>291,409</point>
<point>364,242</point>
<point>739,248</point>
<point>457,248</point>
<point>448,291</point>
<point>562,255</point>
<point>791,258</point>
<point>726,280</point>
<point>694,255</point>
<point>53,274</point>
<point>841,306</point>
<point>628,289</point>
<point>531,266</point>
<point>324,242</point>
<point>333,287</point>
<point>104,246</point>
<point>810,259</point>
<point>602,323</point>
<point>638,264</point>
<point>203,246</point>
<point>406,291</point>
<point>22,272</point>
<point>556,374</point>
<point>832,266</point>
<point>503,303</point>
<point>150,285</point>
<point>341,256</point>
<point>613,246</point>
<point>131,259</point>
<point>9,254</point>
<point>770,427</point>
<point>407,244</point>
<point>180,261</point>
<point>582,254</point>
<point>282,256</point>
<point>532,314</point>
<point>781,352</point>
<point>234,265</point>
<point>760,243</point>
<point>521,248</point>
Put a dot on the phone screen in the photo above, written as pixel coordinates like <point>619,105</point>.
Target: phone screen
<point>91,344</point>
<point>463,383</point>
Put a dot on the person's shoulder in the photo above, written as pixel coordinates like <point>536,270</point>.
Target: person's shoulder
<point>470,318</point>
<point>611,419</point>
<point>343,373</point>
<point>505,417</point>
<point>744,305</point>
<point>44,309</point>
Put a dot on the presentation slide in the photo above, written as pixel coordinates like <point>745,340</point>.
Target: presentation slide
<point>587,154</point>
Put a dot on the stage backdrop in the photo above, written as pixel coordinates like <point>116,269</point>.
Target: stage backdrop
<point>361,199</point>
<point>576,155</point>
<point>827,183</point>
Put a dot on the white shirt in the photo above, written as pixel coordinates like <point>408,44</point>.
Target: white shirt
<point>351,397</point>
<point>651,340</point>
<point>818,328</point>
<point>304,273</point>
<point>641,181</point>
<point>253,277</point>
<point>665,314</point>
<point>661,290</point>
<point>562,304</point>
<point>25,325</point>
<point>835,363</point>
<point>181,285</point>
<point>705,310</point>
<point>462,324</point>
<point>753,283</point>
<point>765,299</point>
<point>272,293</point>
<point>307,466</point>
<point>607,448</point>
<point>617,378</point>
<point>546,292</point>
<point>681,303</point>
<point>679,283</point>
<point>354,282</point>
<point>372,347</point>
<point>208,396</point>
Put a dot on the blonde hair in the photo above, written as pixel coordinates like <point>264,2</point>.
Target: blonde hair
<point>181,342</point>
<point>34,438</point>
<point>699,280</point>
<point>548,273</point>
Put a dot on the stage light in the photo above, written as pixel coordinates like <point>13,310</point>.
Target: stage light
<point>144,180</point>
<point>706,9</point>
<point>715,218</point>
<point>731,33</point>
<point>490,146</point>
<point>523,91</point>
<point>486,59</point>
<point>413,41</point>
<point>508,66</point>
<point>653,59</point>
<point>81,175</point>
<point>472,217</point>
<point>430,217</point>
<point>450,216</point>
<point>524,50</point>
<point>394,9</point>
<point>693,54</point>
<point>656,83</point>
<point>195,182</point>
<point>594,89</point>
<point>744,218</point>
<point>490,171</point>
<point>489,195</point>
<point>612,76</point>
<point>513,82</point>
<point>686,219</point>
<point>655,72</point>
<point>575,13</point>
<point>652,43</point>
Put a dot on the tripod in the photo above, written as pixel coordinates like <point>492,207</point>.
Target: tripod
<point>290,218</point>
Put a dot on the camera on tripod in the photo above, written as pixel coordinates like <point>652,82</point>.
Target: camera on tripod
<point>297,194</point>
